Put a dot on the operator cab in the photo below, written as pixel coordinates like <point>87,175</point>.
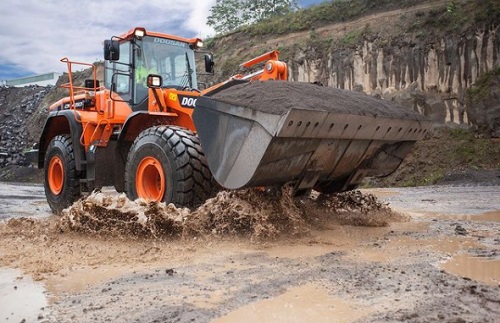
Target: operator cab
<point>130,58</point>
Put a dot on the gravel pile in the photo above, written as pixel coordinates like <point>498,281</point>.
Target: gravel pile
<point>17,104</point>
<point>278,97</point>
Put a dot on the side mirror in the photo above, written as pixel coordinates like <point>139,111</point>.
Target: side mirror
<point>111,50</point>
<point>209,63</point>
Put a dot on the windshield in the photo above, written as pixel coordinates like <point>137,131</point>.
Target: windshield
<point>172,59</point>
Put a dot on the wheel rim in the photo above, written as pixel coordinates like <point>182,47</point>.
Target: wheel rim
<point>56,175</point>
<point>150,179</point>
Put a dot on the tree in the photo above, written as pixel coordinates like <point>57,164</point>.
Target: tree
<point>262,9</point>
<point>227,15</point>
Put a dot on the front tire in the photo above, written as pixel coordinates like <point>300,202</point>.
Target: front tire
<point>62,182</point>
<point>166,164</point>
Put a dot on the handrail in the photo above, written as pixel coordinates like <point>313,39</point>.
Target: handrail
<point>72,88</point>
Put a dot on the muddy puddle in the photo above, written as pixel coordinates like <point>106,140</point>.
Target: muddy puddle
<point>493,216</point>
<point>78,279</point>
<point>307,303</point>
<point>249,256</point>
<point>338,239</point>
<point>17,200</point>
<point>21,299</point>
<point>443,200</point>
<point>107,228</point>
<point>444,245</point>
<point>480,269</point>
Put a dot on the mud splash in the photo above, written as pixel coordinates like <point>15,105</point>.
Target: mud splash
<point>251,212</point>
<point>352,208</point>
<point>113,215</point>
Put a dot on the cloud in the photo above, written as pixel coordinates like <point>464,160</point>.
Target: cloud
<point>36,34</point>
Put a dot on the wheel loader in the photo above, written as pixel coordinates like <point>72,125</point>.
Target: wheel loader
<point>154,132</point>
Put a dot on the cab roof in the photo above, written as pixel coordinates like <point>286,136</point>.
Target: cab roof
<point>130,34</point>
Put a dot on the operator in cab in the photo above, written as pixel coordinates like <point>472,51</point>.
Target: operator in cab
<point>142,70</point>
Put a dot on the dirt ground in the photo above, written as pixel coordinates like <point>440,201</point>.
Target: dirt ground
<point>436,258</point>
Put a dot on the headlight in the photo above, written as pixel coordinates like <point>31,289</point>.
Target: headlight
<point>154,81</point>
<point>139,33</point>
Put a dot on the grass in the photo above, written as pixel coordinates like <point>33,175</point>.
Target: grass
<point>450,150</point>
<point>465,150</point>
<point>428,179</point>
<point>454,16</point>
<point>322,14</point>
<point>354,37</point>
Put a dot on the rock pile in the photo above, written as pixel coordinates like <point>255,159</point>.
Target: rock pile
<point>16,106</point>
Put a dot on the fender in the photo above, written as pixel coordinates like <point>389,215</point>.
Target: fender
<point>139,121</point>
<point>59,123</point>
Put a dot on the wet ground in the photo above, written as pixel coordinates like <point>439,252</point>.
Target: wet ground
<point>440,264</point>
<point>21,199</point>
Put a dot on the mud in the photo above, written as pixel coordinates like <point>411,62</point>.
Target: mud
<point>279,97</point>
<point>395,272</point>
<point>115,215</point>
<point>254,213</point>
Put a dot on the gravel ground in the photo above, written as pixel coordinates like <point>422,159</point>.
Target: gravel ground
<point>443,264</point>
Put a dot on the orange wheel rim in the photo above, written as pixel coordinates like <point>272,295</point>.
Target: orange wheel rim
<point>56,175</point>
<point>150,180</point>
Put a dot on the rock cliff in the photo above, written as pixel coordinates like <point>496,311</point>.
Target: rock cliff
<point>425,54</point>
<point>433,78</point>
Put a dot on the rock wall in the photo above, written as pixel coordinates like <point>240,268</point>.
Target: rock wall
<point>430,76</point>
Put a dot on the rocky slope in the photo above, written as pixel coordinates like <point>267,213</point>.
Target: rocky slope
<point>424,54</point>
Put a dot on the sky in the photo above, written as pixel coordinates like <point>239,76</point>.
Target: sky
<point>36,34</point>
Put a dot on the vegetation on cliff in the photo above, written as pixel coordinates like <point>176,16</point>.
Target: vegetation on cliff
<point>311,29</point>
<point>453,16</point>
<point>449,156</point>
<point>483,85</point>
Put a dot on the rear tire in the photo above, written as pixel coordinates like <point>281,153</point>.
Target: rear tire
<point>62,181</point>
<point>167,164</point>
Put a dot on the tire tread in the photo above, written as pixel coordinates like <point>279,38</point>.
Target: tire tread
<point>194,180</point>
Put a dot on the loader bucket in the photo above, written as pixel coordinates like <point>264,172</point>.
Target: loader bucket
<point>269,133</point>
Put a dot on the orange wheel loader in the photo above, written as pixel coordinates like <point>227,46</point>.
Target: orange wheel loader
<point>152,132</point>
